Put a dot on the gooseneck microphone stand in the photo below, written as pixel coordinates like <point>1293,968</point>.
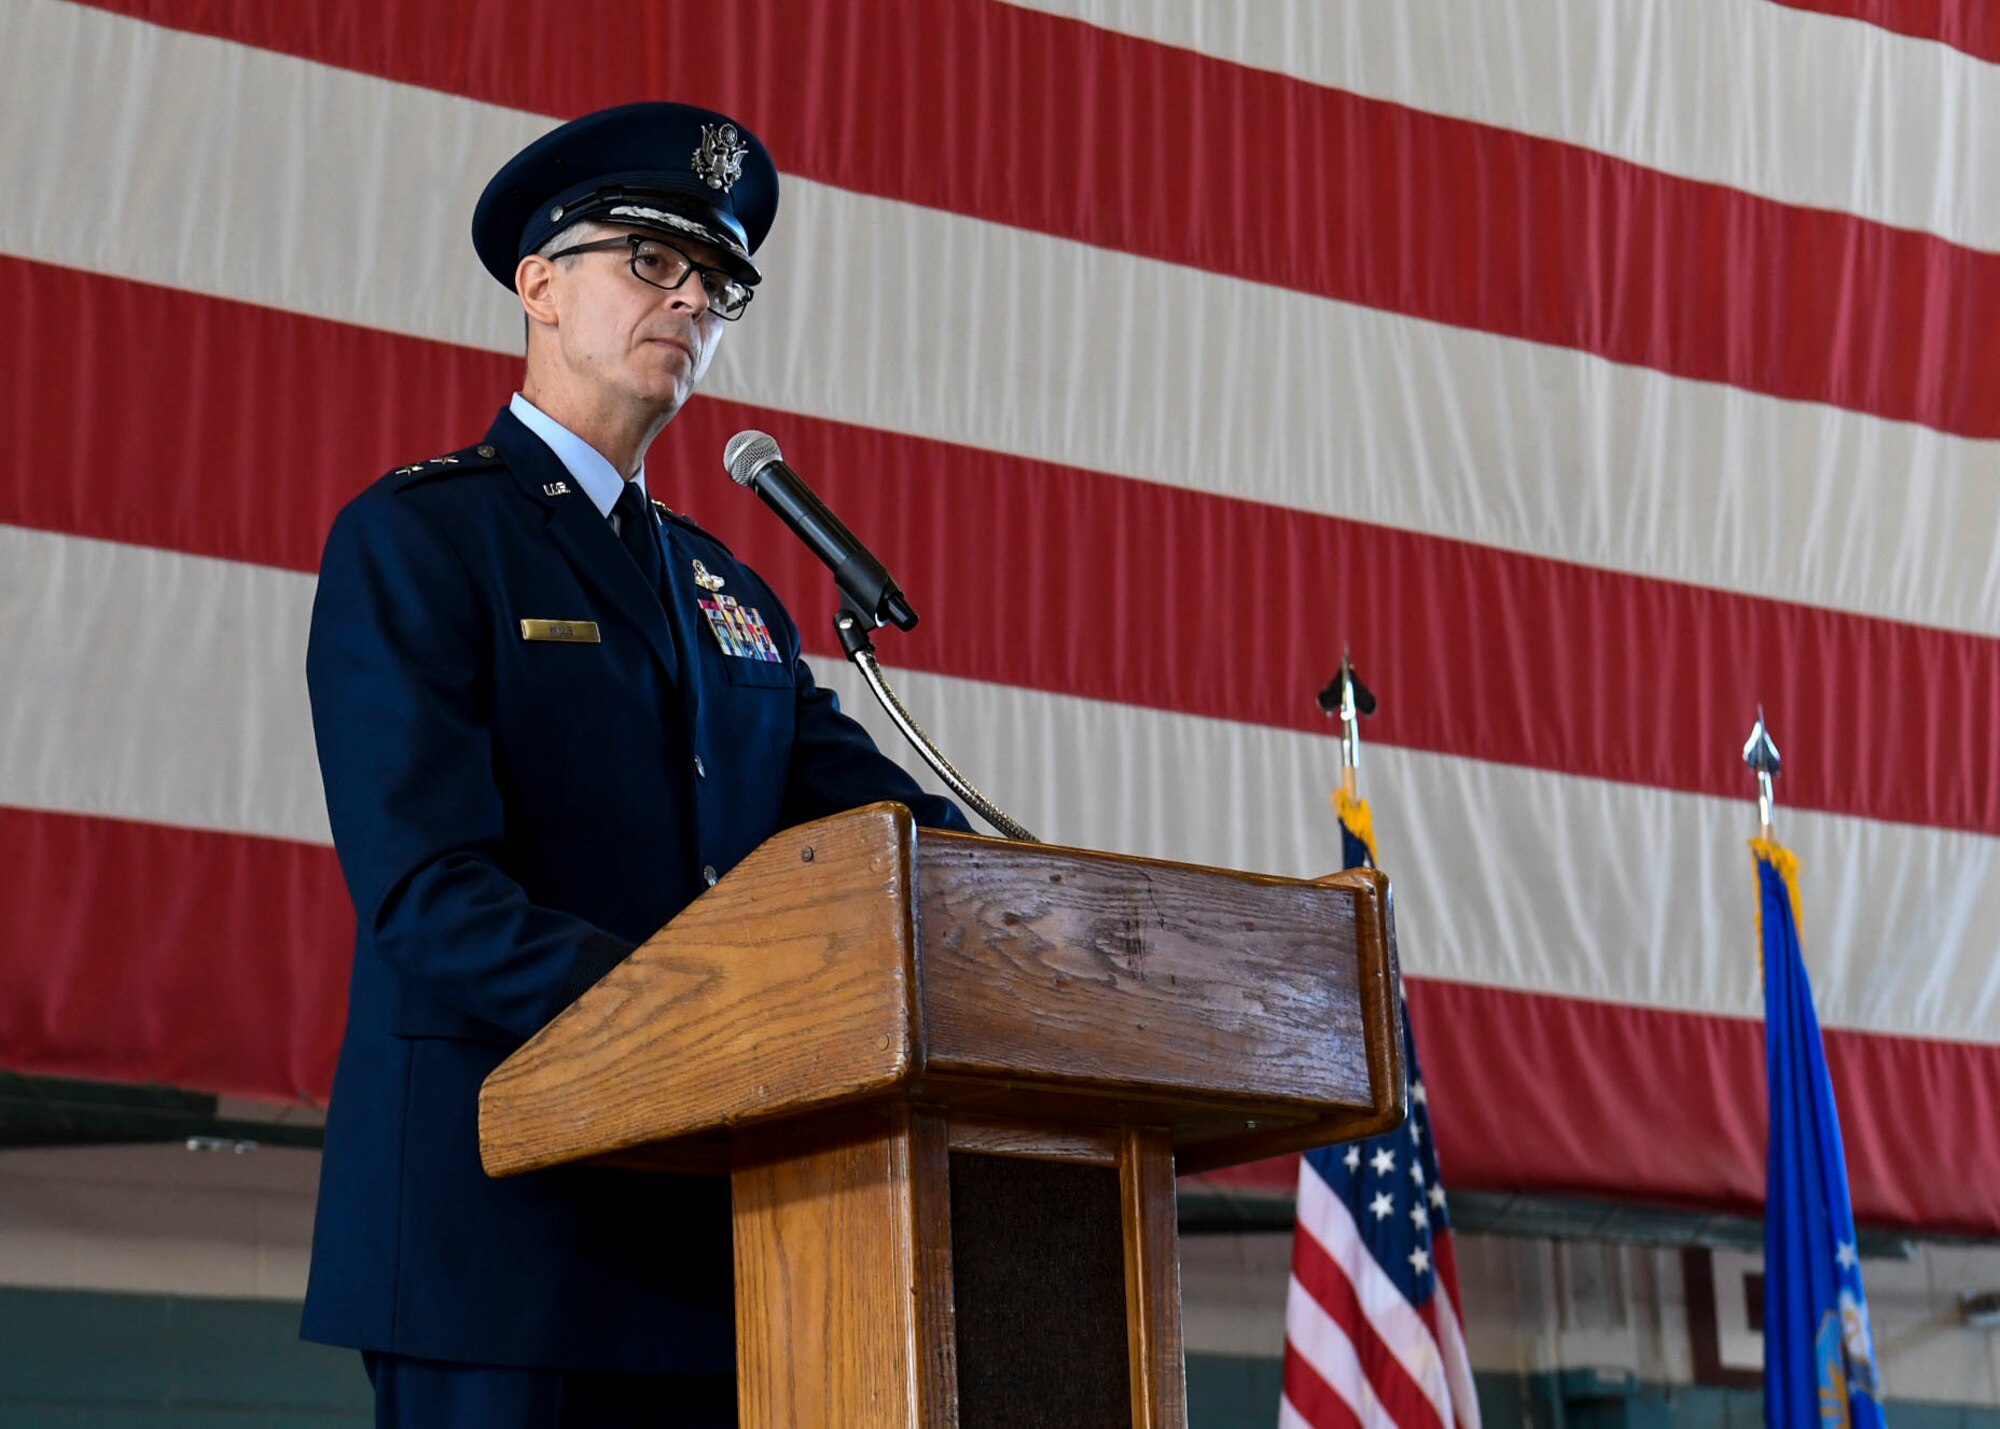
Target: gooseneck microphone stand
<point>853,627</point>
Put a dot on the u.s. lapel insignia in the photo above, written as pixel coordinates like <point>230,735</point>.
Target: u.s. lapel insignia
<point>703,579</point>
<point>740,629</point>
<point>555,488</point>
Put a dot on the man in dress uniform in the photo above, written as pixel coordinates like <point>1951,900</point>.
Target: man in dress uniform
<point>550,713</point>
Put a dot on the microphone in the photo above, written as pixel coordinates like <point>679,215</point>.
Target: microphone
<point>753,460</point>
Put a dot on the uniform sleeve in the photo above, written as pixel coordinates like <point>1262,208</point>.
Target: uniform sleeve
<point>399,677</point>
<point>836,765</point>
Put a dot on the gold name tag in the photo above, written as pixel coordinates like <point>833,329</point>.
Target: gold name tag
<point>573,632</point>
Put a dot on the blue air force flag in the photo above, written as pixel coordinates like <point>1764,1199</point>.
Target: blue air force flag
<point>1819,1353</point>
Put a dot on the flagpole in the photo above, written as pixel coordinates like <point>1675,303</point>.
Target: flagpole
<point>1350,730</point>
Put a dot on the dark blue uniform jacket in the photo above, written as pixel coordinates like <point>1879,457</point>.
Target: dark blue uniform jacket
<point>513,817</point>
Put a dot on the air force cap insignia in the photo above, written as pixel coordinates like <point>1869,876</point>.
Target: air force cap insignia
<point>718,159</point>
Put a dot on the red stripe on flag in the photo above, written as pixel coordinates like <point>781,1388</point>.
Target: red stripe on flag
<point>1575,1112</point>
<point>220,961</point>
<point>1496,655</point>
<point>142,953</point>
<point>1049,124</point>
<point>1328,1282</point>
<point>1969,25</point>
<point>215,428</point>
<point>1313,1397</point>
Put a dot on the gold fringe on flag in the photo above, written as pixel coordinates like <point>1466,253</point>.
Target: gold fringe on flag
<point>1787,864</point>
<point>1359,819</point>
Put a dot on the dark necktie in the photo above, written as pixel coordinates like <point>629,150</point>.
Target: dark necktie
<point>637,528</point>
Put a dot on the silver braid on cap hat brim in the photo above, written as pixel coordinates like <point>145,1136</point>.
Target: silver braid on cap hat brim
<point>639,213</point>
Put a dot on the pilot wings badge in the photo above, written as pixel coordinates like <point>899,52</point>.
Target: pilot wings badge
<point>718,162</point>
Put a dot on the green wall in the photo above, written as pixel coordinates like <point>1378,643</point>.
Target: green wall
<point>74,1360</point>
<point>77,1360</point>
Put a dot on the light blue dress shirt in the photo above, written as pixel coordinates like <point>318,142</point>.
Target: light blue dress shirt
<point>597,476</point>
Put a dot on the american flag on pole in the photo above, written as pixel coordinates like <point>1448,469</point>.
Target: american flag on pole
<point>1374,1322</point>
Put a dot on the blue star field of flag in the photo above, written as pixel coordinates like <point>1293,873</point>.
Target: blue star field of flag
<point>1390,1185</point>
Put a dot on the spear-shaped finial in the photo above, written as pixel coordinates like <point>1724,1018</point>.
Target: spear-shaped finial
<point>1348,698</point>
<point>1761,754</point>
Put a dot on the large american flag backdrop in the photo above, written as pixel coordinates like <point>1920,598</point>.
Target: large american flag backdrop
<point>1598,368</point>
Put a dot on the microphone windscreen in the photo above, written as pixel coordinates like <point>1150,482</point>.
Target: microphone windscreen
<point>748,453</point>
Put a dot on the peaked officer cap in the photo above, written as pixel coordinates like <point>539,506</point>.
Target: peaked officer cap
<point>676,169</point>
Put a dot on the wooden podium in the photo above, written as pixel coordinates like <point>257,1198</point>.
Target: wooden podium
<point>951,1079</point>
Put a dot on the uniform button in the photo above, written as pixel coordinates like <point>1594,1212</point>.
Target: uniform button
<point>486,451</point>
<point>700,769</point>
<point>708,872</point>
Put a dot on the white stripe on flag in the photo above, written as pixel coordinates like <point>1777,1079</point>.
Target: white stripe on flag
<point>1303,402</point>
<point>207,726</point>
<point>150,685</point>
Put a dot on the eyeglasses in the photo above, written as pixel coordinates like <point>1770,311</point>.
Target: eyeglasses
<point>663,266</point>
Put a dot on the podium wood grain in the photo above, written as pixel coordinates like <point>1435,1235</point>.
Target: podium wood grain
<point>1250,1015</point>
<point>1085,969</point>
<point>843,1256</point>
<point>1152,1279</point>
<point>786,988</point>
<point>854,1012</point>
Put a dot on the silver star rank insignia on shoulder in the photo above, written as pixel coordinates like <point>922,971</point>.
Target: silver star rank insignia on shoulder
<point>703,579</point>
